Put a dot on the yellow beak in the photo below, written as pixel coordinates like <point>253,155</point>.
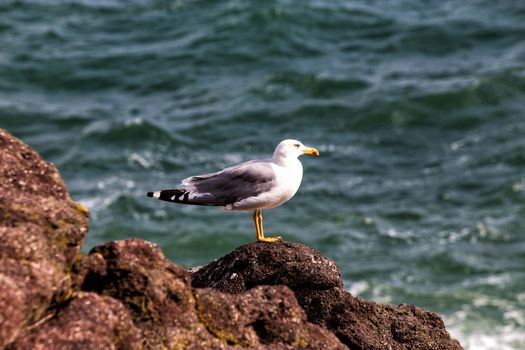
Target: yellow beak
<point>311,150</point>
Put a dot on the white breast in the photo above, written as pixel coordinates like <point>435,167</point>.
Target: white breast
<point>289,179</point>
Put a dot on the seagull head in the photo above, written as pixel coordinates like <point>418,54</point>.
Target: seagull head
<point>292,149</point>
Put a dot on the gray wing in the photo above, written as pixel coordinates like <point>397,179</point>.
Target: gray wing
<point>224,187</point>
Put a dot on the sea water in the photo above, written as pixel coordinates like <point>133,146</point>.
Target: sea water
<point>417,108</point>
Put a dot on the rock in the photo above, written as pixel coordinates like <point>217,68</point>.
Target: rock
<point>88,321</point>
<point>292,264</point>
<point>12,314</point>
<point>316,281</point>
<point>262,318</point>
<point>34,192</point>
<point>41,230</point>
<point>364,324</point>
<point>157,292</point>
<point>170,314</point>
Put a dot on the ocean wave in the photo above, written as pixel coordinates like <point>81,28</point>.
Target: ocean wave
<point>130,133</point>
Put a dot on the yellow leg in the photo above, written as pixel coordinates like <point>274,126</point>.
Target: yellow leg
<point>256,223</point>
<point>258,219</point>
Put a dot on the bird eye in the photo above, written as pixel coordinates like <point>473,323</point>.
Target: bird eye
<point>297,145</point>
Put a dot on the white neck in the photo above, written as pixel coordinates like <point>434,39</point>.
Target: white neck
<point>283,158</point>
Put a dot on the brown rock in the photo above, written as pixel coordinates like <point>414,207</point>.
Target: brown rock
<point>364,324</point>
<point>358,323</point>
<point>11,311</point>
<point>157,293</point>
<point>88,321</point>
<point>33,192</point>
<point>41,230</point>
<point>27,260</point>
<point>292,264</point>
<point>169,313</point>
<point>265,317</point>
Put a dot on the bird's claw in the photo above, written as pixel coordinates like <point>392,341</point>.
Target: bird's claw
<point>269,239</point>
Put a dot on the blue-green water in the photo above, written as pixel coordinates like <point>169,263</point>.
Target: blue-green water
<point>417,108</point>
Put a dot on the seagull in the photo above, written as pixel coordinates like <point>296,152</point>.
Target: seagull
<point>253,185</point>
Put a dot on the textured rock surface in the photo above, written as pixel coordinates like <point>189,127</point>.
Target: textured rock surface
<point>316,281</point>
<point>171,314</point>
<point>264,317</point>
<point>34,192</point>
<point>157,292</point>
<point>364,324</point>
<point>292,264</point>
<point>89,322</point>
<point>41,230</point>
<point>126,295</point>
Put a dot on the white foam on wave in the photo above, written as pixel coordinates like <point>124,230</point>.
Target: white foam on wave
<point>358,287</point>
<point>145,160</point>
<point>108,191</point>
<point>501,338</point>
<point>477,335</point>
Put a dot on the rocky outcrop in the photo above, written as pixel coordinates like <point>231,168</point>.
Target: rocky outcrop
<point>284,263</point>
<point>316,281</point>
<point>364,324</point>
<point>157,293</point>
<point>41,230</point>
<point>126,295</point>
<point>171,314</point>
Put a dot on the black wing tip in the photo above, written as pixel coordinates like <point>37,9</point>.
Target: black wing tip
<point>149,194</point>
